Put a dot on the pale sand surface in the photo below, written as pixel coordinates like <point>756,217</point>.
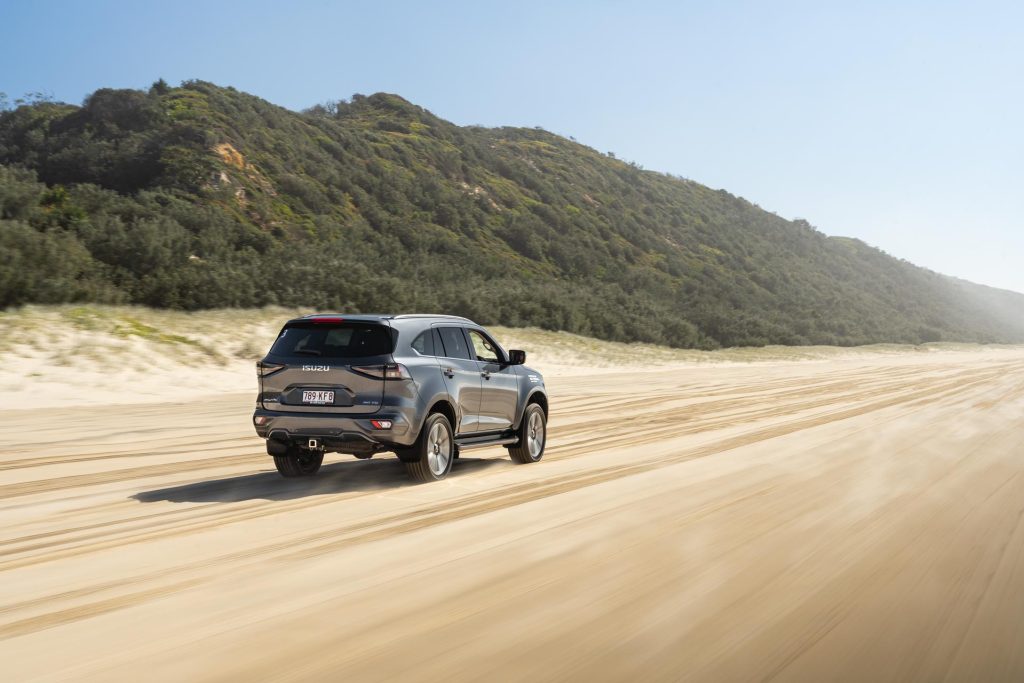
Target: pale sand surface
<point>850,518</point>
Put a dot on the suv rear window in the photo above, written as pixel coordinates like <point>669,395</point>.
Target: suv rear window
<point>333,340</point>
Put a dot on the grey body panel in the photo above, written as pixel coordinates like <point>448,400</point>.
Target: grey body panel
<point>461,377</point>
<point>499,397</point>
<point>500,387</point>
<point>353,393</point>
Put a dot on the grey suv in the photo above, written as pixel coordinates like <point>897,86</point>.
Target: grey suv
<point>423,386</point>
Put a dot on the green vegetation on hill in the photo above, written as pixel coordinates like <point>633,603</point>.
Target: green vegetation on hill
<point>201,196</point>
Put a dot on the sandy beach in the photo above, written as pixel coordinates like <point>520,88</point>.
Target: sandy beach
<point>852,517</point>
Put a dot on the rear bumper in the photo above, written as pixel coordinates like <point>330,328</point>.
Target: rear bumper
<point>337,433</point>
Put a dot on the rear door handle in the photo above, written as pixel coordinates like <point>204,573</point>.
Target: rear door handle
<point>449,372</point>
<point>485,374</point>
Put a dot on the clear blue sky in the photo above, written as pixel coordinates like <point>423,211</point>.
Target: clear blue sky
<point>901,123</point>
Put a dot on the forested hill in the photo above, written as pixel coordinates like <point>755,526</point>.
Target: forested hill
<point>201,196</point>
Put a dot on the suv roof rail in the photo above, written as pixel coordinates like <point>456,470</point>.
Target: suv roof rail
<point>387,316</point>
<point>433,315</point>
<point>348,315</point>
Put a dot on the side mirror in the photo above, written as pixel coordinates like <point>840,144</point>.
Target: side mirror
<point>516,357</point>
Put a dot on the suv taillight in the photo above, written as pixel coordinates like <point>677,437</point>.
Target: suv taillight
<point>388,371</point>
<point>264,369</point>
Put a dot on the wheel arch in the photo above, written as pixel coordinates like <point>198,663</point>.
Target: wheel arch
<point>445,407</point>
<point>440,403</point>
<point>538,396</point>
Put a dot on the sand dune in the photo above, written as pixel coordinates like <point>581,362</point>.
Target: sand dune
<point>101,355</point>
<point>852,517</point>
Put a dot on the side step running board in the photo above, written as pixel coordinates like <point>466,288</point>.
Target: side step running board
<point>480,442</point>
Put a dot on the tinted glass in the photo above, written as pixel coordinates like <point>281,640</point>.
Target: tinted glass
<point>333,340</point>
<point>483,347</point>
<point>423,344</point>
<point>454,342</point>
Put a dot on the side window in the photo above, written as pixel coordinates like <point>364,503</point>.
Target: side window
<point>483,348</point>
<point>424,343</point>
<point>454,342</point>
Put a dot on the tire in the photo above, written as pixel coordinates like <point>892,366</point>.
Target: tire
<point>431,457</point>
<point>533,431</point>
<point>299,462</point>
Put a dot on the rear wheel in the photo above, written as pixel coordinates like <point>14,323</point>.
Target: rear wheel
<point>431,457</point>
<point>299,462</point>
<point>532,436</point>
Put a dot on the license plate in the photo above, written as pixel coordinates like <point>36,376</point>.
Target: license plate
<point>320,397</point>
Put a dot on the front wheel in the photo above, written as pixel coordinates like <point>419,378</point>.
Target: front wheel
<point>430,458</point>
<point>299,462</point>
<point>532,436</point>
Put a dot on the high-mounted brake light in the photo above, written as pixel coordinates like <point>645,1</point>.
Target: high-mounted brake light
<point>328,320</point>
<point>264,369</point>
<point>388,371</point>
